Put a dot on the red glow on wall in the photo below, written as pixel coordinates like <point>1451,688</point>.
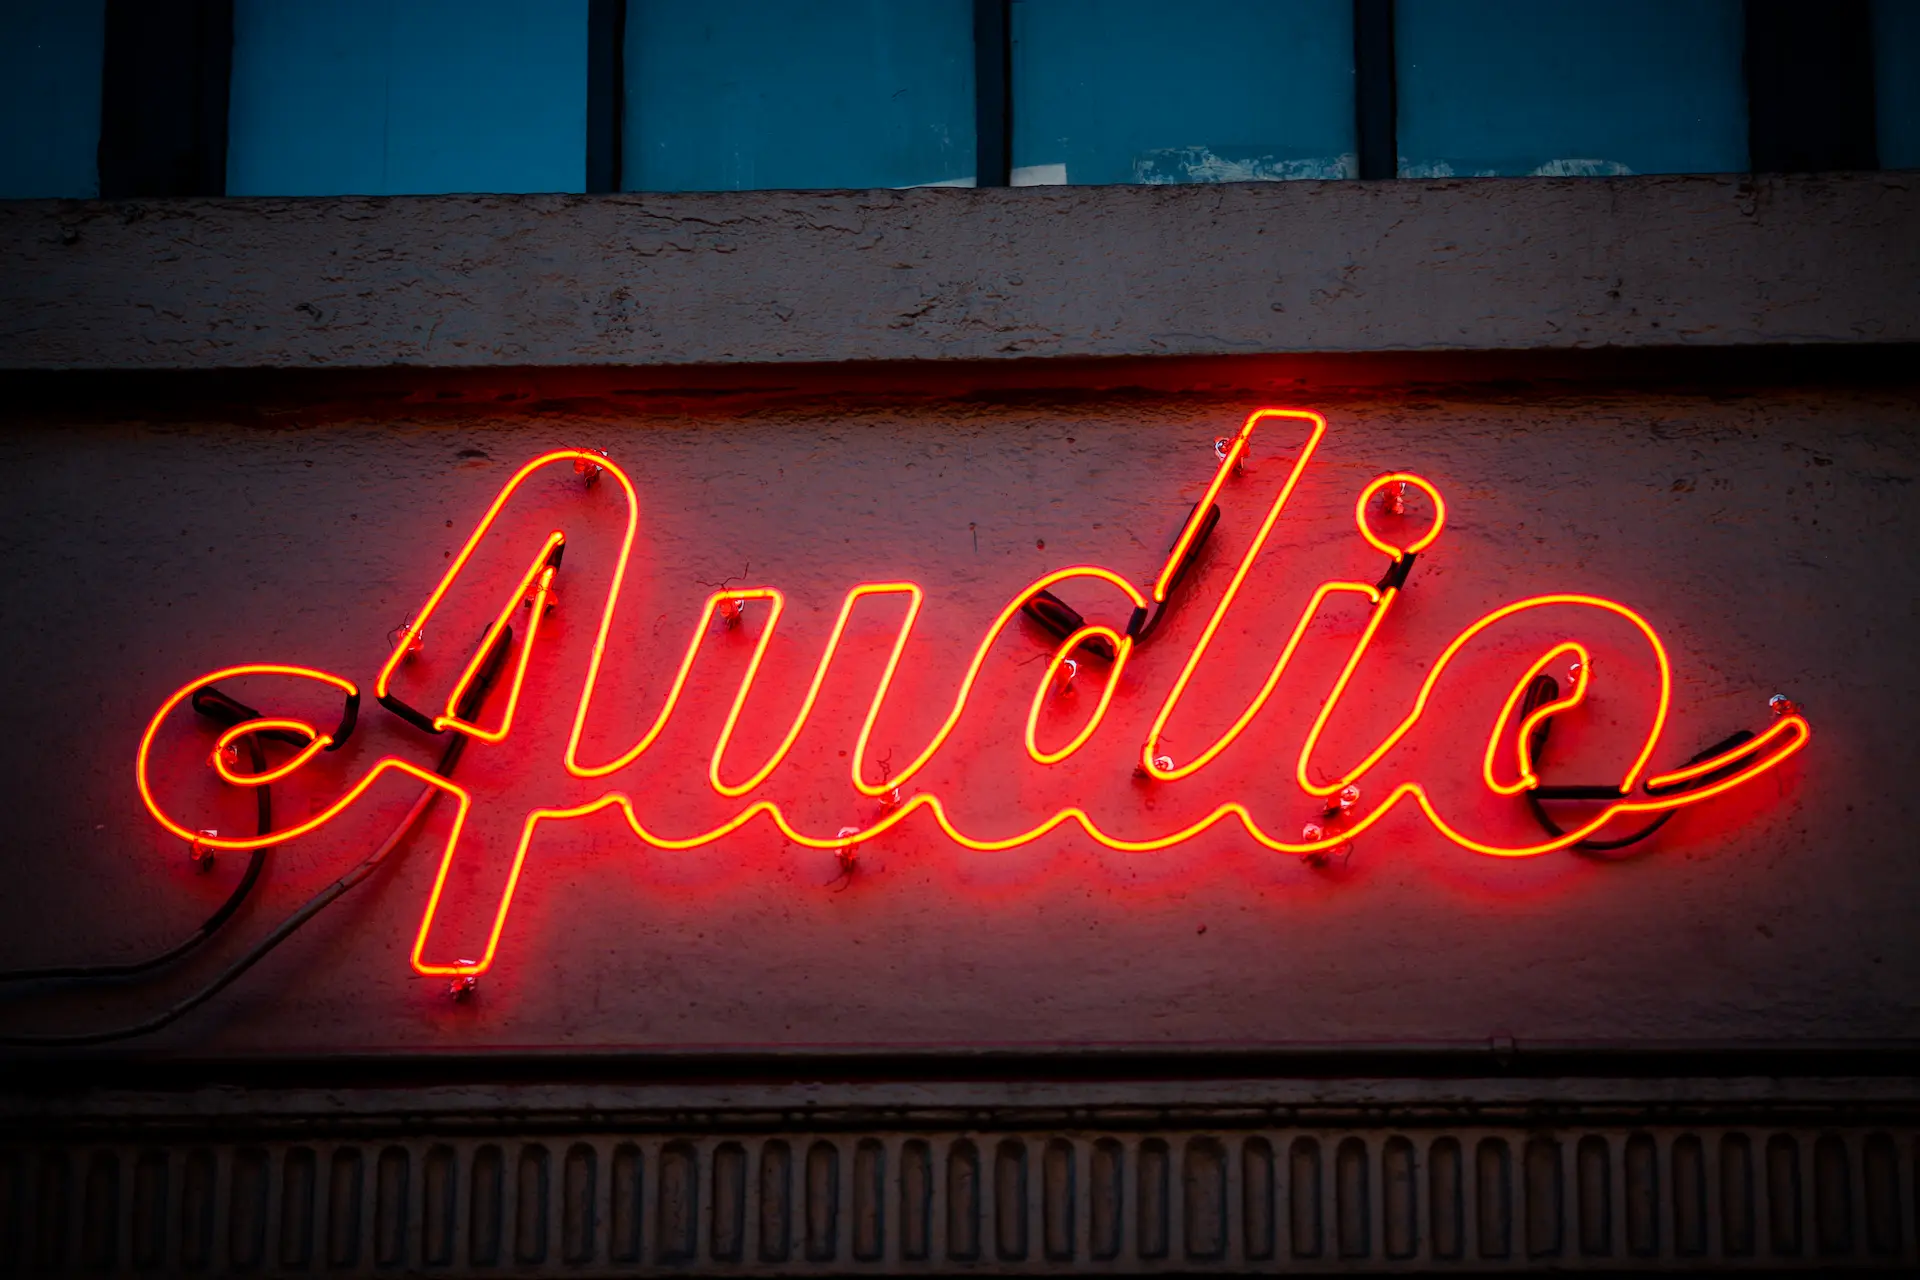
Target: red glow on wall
<point>1507,767</point>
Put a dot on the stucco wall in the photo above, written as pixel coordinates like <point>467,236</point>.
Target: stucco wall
<point>758,277</point>
<point>1764,532</point>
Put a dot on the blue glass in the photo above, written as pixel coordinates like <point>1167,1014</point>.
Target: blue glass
<point>50,54</point>
<point>1896,82</point>
<point>732,95</point>
<point>399,97</point>
<point>1570,87</point>
<point>1108,91</point>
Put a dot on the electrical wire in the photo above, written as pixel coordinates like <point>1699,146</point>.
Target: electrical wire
<point>470,706</point>
<point>1544,689</point>
<point>133,968</point>
<point>1590,845</point>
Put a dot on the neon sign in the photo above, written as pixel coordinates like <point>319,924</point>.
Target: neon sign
<point>1508,752</point>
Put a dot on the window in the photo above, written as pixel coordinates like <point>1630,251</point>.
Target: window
<point>727,95</point>
<point>394,97</point>
<point>1201,91</point>
<point>50,58</point>
<point>1896,79</point>
<point>1569,88</point>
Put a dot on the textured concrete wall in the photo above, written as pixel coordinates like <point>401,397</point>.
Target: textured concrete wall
<point>1767,534</point>
<point>954,274</point>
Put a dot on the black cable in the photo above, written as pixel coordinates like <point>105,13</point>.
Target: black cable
<point>469,706</point>
<point>1544,689</point>
<point>256,863</point>
<point>1202,535</point>
<point>259,951</point>
<point>1554,829</point>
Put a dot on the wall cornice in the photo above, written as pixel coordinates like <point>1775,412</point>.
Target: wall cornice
<point>948,275</point>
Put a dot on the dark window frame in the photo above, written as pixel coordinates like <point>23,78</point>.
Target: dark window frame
<point>164,79</point>
<point>167,68</point>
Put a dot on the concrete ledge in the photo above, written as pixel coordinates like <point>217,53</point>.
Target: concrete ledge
<point>775,277</point>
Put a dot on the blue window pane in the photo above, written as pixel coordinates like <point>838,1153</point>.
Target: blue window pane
<point>731,95</point>
<point>1896,82</point>
<point>50,53</point>
<point>396,97</point>
<point>1570,87</point>
<point>1202,91</point>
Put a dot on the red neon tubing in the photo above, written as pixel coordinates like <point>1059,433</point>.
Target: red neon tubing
<point>1783,739</point>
